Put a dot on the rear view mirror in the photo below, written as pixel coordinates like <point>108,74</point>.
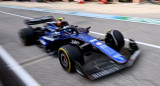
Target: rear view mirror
<point>88,27</point>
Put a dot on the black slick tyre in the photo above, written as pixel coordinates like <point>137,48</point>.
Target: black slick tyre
<point>114,39</point>
<point>68,54</point>
<point>27,36</point>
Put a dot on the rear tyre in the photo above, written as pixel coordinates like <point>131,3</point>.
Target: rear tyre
<point>68,54</point>
<point>27,36</point>
<point>114,39</point>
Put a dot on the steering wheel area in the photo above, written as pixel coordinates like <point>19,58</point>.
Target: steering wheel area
<point>68,30</point>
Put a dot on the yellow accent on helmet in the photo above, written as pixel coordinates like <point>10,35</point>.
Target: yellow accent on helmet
<point>61,18</point>
<point>109,29</point>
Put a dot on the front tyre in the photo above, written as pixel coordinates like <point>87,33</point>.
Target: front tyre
<point>68,54</point>
<point>114,39</point>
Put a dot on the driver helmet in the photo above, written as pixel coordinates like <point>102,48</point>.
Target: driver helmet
<point>62,23</point>
<point>68,29</point>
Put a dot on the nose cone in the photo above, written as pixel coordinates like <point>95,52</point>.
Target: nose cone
<point>119,58</point>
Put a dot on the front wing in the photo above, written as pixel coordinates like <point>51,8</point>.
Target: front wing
<point>105,66</point>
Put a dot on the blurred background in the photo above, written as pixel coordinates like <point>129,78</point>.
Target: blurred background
<point>136,19</point>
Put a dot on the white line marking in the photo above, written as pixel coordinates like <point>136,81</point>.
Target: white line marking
<point>33,59</point>
<point>142,43</point>
<point>101,34</point>
<point>15,15</point>
<point>17,69</point>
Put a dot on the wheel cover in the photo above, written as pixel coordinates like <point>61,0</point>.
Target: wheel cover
<point>64,60</point>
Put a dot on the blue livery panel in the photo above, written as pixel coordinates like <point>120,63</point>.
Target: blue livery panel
<point>102,47</point>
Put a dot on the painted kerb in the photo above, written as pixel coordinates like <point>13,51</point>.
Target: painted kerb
<point>104,16</point>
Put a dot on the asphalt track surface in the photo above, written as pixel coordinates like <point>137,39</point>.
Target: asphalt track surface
<point>47,70</point>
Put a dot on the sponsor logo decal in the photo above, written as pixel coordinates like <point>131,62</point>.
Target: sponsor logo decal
<point>47,38</point>
<point>39,19</point>
<point>118,56</point>
<point>43,42</point>
<point>105,72</point>
<point>75,42</point>
<point>99,43</point>
<point>93,40</point>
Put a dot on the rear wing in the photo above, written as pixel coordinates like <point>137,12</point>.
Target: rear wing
<point>39,20</point>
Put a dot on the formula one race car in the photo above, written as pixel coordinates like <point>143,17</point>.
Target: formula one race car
<point>74,45</point>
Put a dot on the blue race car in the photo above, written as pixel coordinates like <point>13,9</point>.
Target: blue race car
<point>73,43</point>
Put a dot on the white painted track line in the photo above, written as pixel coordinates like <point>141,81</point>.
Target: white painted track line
<point>101,34</point>
<point>142,43</point>
<point>17,69</point>
<point>15,15</point>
